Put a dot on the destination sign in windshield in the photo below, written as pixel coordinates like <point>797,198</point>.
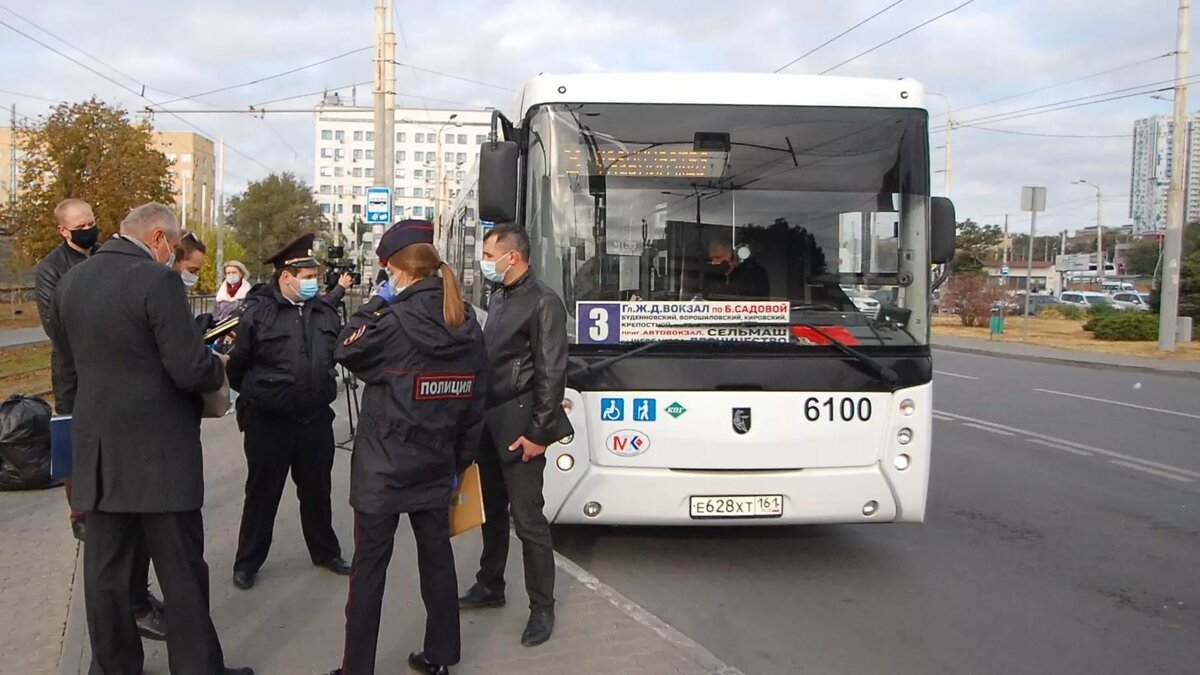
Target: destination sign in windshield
<point>601,323</point>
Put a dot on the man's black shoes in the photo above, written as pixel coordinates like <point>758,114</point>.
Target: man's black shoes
<point>419,663</point>
<point>243,580</point>
<point>337,566</point>
<point>481,597</point>
<point>539,628</point>
<point>152,624</point>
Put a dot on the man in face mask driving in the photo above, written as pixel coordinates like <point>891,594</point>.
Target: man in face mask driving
<point>282,367</point>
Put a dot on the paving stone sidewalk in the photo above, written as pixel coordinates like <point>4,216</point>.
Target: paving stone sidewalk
<point>291,622</point>
<point>37,567</point>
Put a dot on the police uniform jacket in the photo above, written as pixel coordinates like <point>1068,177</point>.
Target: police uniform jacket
<point>282,361</point>
<point>422,407</point>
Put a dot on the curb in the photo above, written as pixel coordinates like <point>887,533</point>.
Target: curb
<point>1095,365</point>
<point>683,643</point>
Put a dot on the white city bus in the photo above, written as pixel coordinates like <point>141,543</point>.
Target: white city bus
<point>755,391</point>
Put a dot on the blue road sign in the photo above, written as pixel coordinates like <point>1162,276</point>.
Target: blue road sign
<point>379,205</point>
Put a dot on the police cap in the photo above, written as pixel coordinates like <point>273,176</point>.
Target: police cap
<point>404,233</point>
<point>297,253</point>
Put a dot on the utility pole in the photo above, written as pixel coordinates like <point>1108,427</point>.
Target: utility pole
<point>385,97</point>
<point>12,170</point>
<point>1173,241</point>
<point>1006,243</point>
<point>949,142</point>
<point>1033,200</point>
<point>219,264</point>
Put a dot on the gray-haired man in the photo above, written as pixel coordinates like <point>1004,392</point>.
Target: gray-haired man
<point>134,365</point>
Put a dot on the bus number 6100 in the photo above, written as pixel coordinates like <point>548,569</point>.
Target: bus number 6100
<point>833,410</point>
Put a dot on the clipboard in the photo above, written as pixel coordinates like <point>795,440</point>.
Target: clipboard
<point>466,502</point>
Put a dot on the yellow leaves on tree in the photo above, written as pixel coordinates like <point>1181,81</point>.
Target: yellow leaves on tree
<point>89,151</point>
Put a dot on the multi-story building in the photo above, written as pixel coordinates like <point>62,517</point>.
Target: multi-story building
<point>193,174</point>
<point>434,150</point>
<point>193,170</point>
<point>1153,157</point>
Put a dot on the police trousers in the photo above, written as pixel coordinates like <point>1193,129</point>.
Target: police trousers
<point>275,446</point>
<point>176,544</point>
<point>516,488</point>
<point>374,537</point>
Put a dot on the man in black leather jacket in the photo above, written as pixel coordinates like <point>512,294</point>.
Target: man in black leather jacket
<point>526,339</point>
<point>283,370</point>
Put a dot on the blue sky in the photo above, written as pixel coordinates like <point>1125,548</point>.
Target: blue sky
<point>987,50</point>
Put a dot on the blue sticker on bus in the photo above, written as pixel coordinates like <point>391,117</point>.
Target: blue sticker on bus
<point>645,409</point>
<point>612,409</point>
<point>598,323</point>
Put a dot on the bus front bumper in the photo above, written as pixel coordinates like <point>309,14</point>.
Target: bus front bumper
<point>635,496</point>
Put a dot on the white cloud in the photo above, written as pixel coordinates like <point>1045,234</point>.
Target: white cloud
<point>990,49</point>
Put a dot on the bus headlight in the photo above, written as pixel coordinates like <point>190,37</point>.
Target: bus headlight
<point>904,436</point>
<point>591,509</point>
<point>566,462</point>
<point>568,406</point>
<point>870,508</point>
<point>901,462</point>
<point>907,407</point>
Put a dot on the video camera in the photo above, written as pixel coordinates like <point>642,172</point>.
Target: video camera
<point>337,265</point>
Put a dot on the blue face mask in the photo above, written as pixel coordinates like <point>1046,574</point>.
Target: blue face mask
<point>308,289</point>
<point>488,267</point>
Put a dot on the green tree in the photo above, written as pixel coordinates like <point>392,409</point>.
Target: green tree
<point>975,243</point>
<point>89,151</point>
<point>269,214</point>
<point>1142,259</point>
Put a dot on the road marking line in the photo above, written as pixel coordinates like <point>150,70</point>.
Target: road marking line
<point>965,377</point>
<point>1056,446</point>
<point>1121,403</point>
<point>1162,474</point>
<point>1073,444</point>
<point>994,430</point>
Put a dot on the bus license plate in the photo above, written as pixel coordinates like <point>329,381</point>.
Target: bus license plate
<point>737,506</point>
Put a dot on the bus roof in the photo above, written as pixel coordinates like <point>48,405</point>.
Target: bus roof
<point>720,89</point>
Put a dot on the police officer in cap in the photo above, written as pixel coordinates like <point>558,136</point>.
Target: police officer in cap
<point>417,346</point>
<point>282,367</point>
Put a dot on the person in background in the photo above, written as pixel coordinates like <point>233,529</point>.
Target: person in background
<point>134,368</point>
<point>282,367</point>
<point>526,337</point>
<point>734,276</point>
<point>420,351</point>
<point>233,289</point>
<point>77,226</point>
<point>189,259</point>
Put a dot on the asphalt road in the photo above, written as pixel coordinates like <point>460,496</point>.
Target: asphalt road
<point>1063,536</point>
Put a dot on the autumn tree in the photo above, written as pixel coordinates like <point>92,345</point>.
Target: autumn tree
<point>975,243</point>
<point>270,213</point>
<point>89,151</point>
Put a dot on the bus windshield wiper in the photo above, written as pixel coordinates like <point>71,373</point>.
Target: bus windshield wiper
<point>610,361</point>
<point>881,371</point>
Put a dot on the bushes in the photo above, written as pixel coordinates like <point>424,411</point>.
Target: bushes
<point>1062,311</point>
<point>971,297</point>
<point>1124,326</point>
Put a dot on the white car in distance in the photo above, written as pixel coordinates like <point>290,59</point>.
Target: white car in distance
<point>1132,301</point>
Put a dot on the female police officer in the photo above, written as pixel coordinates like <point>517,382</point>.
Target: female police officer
<point>420,351</point>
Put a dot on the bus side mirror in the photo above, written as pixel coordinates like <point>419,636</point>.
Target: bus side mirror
<point>498,182</point>
<point>942,228</point>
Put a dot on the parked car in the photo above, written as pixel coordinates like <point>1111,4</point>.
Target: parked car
<point>862,302</point>
<point>1131,301</point>
<point>1084,298</point>
<point>1111,287</point>
<point>1037,303</point>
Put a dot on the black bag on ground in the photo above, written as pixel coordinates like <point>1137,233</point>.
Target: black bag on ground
<point>25,443</point>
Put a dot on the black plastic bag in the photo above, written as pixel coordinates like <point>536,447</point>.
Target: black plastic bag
<point>24,443</point>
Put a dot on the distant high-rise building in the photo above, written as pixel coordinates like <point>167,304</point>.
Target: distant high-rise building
<point>1153,154</point>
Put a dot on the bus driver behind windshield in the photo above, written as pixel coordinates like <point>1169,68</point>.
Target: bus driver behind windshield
<point>734,277</point>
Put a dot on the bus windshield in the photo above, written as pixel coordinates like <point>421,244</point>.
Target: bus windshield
<point>731,223</point>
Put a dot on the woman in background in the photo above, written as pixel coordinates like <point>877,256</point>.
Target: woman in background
<point>231,291</point>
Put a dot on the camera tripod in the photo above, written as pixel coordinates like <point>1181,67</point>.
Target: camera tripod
<point>350,389</point>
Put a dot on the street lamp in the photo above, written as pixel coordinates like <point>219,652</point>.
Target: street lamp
<point>1099,227</point>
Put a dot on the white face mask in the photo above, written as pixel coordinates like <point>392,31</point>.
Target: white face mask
<point>189,279</point>
<point>232,279</point>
